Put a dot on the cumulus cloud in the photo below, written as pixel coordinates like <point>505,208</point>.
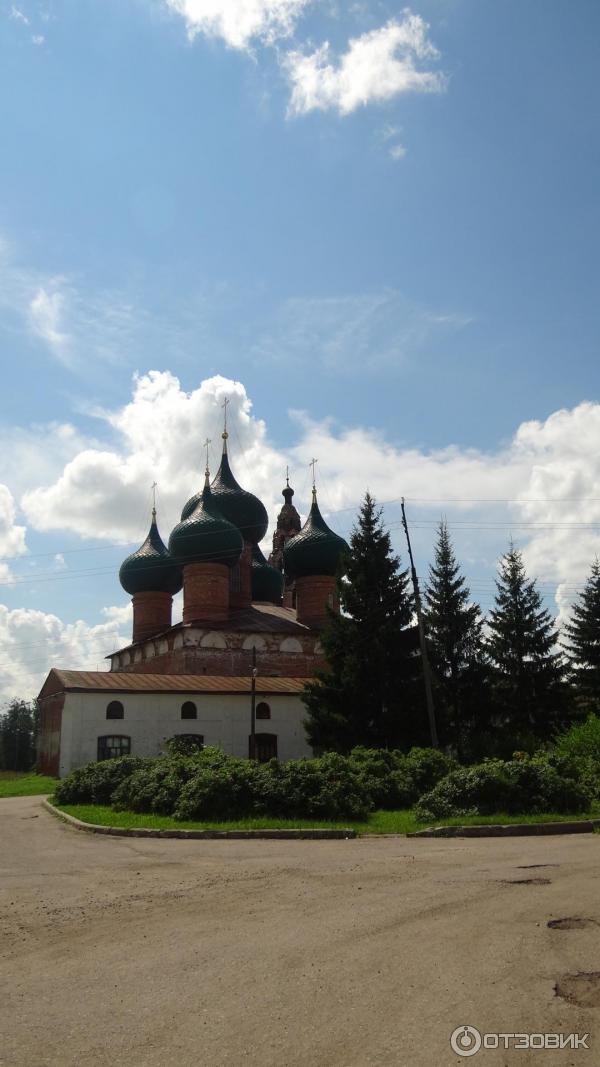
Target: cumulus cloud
<point>105,492</point>
<point>543,486</point>
<point>32,642</point>
<point>377,66</point>
<point>240,22</point>
<point>12,536</point>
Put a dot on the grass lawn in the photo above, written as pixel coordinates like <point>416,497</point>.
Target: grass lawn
<point>380,822</point>
<point>15,784</point>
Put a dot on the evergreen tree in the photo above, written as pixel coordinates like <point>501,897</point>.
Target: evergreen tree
<point>529,692</point>
<point>454,634</point>
<point>18,736</point>
<point>583,640</point>
<point>371,693</point>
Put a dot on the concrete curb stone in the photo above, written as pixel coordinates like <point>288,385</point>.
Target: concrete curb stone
<point>210,835</point>
<point>521,829</point>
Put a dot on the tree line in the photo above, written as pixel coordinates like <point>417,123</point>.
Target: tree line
<point>18,732</point>
<point>502,683</point>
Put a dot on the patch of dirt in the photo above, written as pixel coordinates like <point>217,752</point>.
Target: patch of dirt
<point>582,988</point>
<point>571,923</point>
<point>525,881</point>
<point>534,866</point>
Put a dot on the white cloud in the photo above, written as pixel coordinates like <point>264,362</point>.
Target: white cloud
<point>547,475</point>
<point>38,38</point>
<point>31,642</point>
<point>397,151</point>
<point>18,16</point>
<point>106,492</point>
<point>353,334</point>
<point>377,66</point>
<point>46,313</point>
<point>239,22</point>
<point>12,536</point>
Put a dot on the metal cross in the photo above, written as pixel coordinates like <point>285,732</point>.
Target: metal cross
<point>206,445</point>
<point>225,405</point>
<point>154,487</point>
<point>313,464</point>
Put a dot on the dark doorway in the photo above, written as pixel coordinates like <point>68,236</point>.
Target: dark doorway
<point>266,747</point>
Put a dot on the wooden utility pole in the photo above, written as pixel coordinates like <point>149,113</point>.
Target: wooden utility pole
<point>253,706</point>
<point>422,642</point>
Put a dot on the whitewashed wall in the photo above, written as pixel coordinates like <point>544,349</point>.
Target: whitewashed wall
<point>151,718</point>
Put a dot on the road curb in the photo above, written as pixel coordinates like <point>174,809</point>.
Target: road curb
<point>210,835</point>
<point>520,829</point>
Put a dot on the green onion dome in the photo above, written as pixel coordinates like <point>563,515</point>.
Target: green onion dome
<point>239,507</point>
<point>267,581</point>
<point>206,536</point>
<point>151,569</point>
<point>316,550</point>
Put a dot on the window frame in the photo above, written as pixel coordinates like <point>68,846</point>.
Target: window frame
<point>112,737</point>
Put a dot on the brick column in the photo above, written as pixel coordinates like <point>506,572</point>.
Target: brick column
<point>242,597</point>
<point>205,592</point>
<point>151,614</point>
<point>313,596</point>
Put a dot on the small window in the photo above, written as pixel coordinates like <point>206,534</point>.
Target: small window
<point>115,710</point>
<point>112,747</point>
<point>188,710</point>
<point>263,710</point>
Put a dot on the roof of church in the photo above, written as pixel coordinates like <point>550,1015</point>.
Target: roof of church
<point>316,549</point>
<point>150,568</point>
<point>123,682</point>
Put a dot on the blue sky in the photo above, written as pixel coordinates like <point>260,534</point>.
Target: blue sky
<point>387,220</point>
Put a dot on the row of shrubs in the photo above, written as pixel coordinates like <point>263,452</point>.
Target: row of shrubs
<point>212,785</point>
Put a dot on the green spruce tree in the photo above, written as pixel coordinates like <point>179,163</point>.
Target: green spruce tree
<point>18,727</point>
<point>583,641</point>
<point>454,633</point>
<point>371,693</point>
<point>530,695</point>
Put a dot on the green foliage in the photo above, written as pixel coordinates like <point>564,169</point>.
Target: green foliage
<point>155,787</point>
<point>95,783</point>
<point>18,727</point>
<point>530,696</point>
<point>183,745</point>
<point>583,639</point>
<point>454,634</point>
<point>531,785</point>
<point>396,780</point>
<point>371,693</point>
<point>580,745</point>
<point>229,791</point>
<point>324,788</point>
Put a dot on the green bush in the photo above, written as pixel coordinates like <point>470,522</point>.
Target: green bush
<point>325,788</point>
<point>155,788</point>
<point>227,791</point>
<point>523,786</point>
<point>580,746</point>
<point>397,780</point>
<point>184,745</point>
<point>96,782</point>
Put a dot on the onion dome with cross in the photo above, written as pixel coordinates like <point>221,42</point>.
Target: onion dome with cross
<point>316,550</point>
<point>206,536</point>
<point>151,569</point>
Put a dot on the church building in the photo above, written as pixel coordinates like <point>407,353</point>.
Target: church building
<point>240,613</point>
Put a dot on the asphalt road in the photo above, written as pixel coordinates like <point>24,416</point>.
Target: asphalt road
<point>365,953</point>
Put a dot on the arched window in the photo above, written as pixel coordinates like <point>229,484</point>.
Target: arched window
<point>113,746</point>
<point>115,710</point>
<point>188,710</point>
<point>266,747</point>
<point>263,710</point>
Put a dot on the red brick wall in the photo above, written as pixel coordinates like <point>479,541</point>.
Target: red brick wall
<point>312,597</point>
<point>205,592</point>
<point>49,737</point>
<point>243,597</point>
<point>229,663</point>
<point>151,614</point>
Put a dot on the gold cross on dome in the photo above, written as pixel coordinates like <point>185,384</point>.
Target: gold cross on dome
<point>207,445</point>
<point>313,464</point>
<point>154,487</point>
<point>225,405</point>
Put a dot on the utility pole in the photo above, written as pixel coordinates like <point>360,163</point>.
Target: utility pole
<point>424,656</point>
<point>253,706</point>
